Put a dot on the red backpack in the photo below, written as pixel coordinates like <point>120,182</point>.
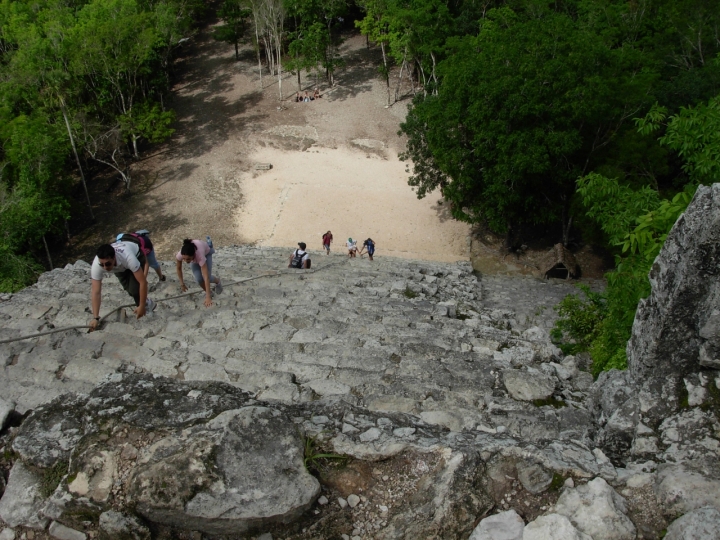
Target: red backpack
<point>141,240</point>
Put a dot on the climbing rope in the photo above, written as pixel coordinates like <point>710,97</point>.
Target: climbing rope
<point>190,293</point>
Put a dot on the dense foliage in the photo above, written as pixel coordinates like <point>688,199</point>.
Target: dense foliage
<point>636,222</point>
<point>80,81</point>
<point>540,94</point>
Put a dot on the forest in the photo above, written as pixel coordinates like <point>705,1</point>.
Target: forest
<point>590,120</point>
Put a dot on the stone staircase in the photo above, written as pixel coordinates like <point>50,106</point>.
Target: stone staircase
<point>389,335</point>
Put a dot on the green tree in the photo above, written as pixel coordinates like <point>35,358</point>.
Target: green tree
<point>235,17</point>
<point>522,110</point>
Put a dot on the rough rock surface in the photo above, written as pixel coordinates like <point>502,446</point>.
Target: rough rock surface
<point>597,510</point>
<point>702,523</point>
<point>553,527</point>
<point>503,526</point>
<point>677,328</point>
<point>198,456</point>
<point>441,389</point>
<point>22,500</point>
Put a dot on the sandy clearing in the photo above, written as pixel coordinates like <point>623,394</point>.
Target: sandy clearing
<point>351,193</point>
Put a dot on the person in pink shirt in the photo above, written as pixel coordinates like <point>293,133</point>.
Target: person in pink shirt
<point>198,255</point>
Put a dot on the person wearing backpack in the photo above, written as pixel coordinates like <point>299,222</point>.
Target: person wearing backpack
<point>149,250</point>
<point>300,258</point>
<point>368,245</point>
<point>327,239</point>
<point>126,260</point>
<point>198,255</point>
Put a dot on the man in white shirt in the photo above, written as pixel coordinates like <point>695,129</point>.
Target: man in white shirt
<point>300,258</point>
<point>126,261</point>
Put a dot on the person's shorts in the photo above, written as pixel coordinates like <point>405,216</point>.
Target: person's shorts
<point>327,247</point>
<point>152,260</point>
<point>371,252</point>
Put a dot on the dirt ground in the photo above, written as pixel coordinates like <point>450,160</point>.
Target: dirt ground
<point>334,164</point>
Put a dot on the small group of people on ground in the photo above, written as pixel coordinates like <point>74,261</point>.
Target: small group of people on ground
<point>368,247</point>
<point>300,258</point>
<point>306,98</point>
<point>130,258</point>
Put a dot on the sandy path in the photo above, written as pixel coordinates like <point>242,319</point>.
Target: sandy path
<point>351,193</point>
<point>204,181</point>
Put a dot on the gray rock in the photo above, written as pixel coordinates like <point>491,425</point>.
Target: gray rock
<point>7,534</point>
<point>22,500</point>
<point>123,527</point>
<point>553,527</point>
<point>534,477</point>
<point>597,510</point>
<point>260,476</point>
<point>528,385</point>
<point>702,523</point>
<point>683,488</point>
<point>61,532</point>
<point>503,526</point>
<point>353,500</point>
<point>679,319</point>
<point>216,468</point>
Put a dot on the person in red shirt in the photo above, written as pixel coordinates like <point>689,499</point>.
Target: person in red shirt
<point>327,239</point>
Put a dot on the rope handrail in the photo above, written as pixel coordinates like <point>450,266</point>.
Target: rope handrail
<point>189,293</point>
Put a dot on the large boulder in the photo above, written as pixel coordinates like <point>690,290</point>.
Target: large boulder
<point>677,328</point>
<point>22,501</point>
<point>528,385</point>
<point>597,510</point>
<point>703,523</point>
<point>684,487</point>
<point>195,456</point>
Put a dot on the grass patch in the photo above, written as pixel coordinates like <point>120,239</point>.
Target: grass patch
<point>557,403</point>
<point>52,478</point>
<point>557,483</point>
<point>683,396</point>
<point>316,461</point>
<point>409,293</point>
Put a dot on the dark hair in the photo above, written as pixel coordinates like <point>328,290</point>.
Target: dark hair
<point>106,251</point>
<point>302,245</point>
<point>188,248</point>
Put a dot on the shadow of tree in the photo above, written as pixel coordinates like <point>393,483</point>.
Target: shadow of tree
<point>442,210</point>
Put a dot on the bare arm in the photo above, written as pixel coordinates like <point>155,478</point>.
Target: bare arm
<point>142,280</point>
<point>178,267</point>
<point>95,300</point>
<point>206,279</point>
<point>146,269</point>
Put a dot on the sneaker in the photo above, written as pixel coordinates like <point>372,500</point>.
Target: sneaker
<point>162,278</point>
<point>150,305</point>
<point>218,288</point>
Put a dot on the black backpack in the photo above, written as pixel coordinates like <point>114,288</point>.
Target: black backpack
<point>297,259</point>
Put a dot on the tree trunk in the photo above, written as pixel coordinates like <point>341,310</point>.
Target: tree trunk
<point>135,148</point>
<point>402,67</point>
<point>387,71</point>
<point>77,158</point>
<point>257,42</point>
<point>47,252</point>
<point>567,220</point>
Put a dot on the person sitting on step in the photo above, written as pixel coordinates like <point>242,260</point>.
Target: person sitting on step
<point>300,258</point>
